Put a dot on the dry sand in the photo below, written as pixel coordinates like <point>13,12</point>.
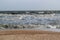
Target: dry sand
<point>28,35</point>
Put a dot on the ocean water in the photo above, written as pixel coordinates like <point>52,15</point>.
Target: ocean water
<point>29,19</point>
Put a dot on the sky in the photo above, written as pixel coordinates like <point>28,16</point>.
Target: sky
<point>29,4</point>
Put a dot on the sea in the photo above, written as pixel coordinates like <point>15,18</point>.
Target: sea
<point>28,19</point>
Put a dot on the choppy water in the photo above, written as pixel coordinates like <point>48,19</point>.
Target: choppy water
<point>28,19</point>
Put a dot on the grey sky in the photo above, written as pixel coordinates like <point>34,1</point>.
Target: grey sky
<point>29,4</point>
